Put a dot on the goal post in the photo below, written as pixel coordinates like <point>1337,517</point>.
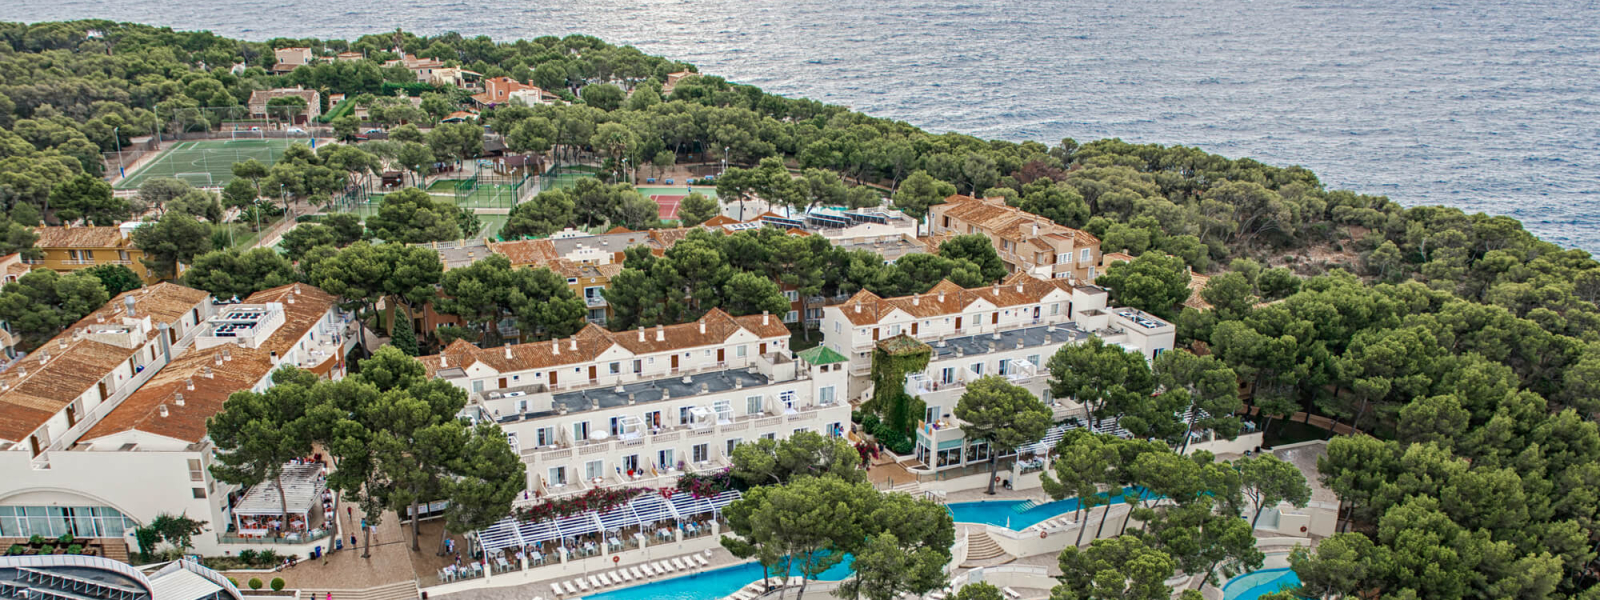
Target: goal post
<point>199,180</point>
<point>248,134</point>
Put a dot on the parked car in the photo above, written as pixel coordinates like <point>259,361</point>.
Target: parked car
<point>295,131</point>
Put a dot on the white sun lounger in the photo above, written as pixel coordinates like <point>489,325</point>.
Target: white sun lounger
<point>621,575</point>
<point>1010,593</point>
<point>556,587</point>
<point>568,585</point>
<point>582,586</point>
<point>636,573</point>
<point>701,560</point>
<point>677,562</point>
<point>662,566</point>
<point>595,581</point>
<point>648,571</point>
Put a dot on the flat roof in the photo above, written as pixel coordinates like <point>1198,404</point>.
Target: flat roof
<point>1031,337</point>
<point>645,392</point>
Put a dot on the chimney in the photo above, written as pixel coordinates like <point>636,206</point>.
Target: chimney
<point>766,319</point>
<point>128,301</point>
<point>572,343</point>
<point>631,399</point>
<point>177,399</point>
<point>227,355</point>
<point>941,296</point>
<point>63,343</point>
<point>641,333</point>
<point>44,357</point>
<point>297,289</point>
<point>555,347</point>
<point>291,300</point>
<point>162,409</point>
<point>508,351</point>
<point>702,326</point>
<point>443,361</point>
<point>858,307</point>
<point>22,371</point>
<point>206,372</point>
<point>916,300</point>
<point>274,358</point>
<point>1036,229</point>
<point>1019,287</point>
<point>996,289</point>
<point>661,333</point>
<point>188,384</point>
<point>217,359</point>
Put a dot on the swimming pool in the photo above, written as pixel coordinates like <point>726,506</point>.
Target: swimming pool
<point>1251,586</point>
<point>709,585</point>
<point>1003,513</point>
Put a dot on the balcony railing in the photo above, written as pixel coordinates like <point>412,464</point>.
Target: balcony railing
<point>594,301</point>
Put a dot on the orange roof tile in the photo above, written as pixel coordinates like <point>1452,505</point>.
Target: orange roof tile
<point>81,237</point>
<point>947,298</point>
<point>61,370</point>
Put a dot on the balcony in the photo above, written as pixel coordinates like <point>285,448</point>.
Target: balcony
<point>78,261</point>
<point>595,301</point>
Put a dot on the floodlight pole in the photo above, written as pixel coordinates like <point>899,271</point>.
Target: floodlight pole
<point>121,171</point>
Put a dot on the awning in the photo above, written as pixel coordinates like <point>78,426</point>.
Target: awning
<point>645,509</point>
<point>302,485</point>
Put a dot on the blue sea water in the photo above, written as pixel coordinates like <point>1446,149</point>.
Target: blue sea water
<point>1487,105</point>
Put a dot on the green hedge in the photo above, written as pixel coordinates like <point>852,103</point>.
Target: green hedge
<point>344,107</point>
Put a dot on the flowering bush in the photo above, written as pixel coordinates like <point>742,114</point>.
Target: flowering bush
<point>706,485</point>
<point>598,500</point>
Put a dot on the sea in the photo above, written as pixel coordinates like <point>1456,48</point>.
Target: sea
<point>1491,106</point>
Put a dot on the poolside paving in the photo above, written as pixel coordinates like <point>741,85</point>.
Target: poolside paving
<point>527,591</point>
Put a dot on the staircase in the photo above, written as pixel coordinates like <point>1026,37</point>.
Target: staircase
<point>115,549</point>
<point>983,551</point>
<point>1026,506</point>
<point>405,590</point>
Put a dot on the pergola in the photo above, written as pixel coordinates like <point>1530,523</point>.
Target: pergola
<point>645,509</point>
<point>302,490</point>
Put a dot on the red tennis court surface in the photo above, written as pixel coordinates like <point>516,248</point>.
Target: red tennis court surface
<point>668,206</point>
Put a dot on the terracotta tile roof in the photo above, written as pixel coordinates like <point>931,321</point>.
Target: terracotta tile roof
<point>44,382</point>
<point>947,298</point>
<point>620,229</point>
<point>142,410</point>
<point>594,340</point>
<point>997,219</point>
<point>80,237</point>
<point>1114,257</point>
<point>527,252</point>
<point>719,221</point>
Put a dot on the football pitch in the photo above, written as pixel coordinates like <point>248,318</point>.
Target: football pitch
<point>206,163</point>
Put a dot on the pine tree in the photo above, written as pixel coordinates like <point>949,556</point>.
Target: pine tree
<point>402,336</point>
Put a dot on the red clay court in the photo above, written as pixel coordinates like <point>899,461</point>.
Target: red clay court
<point>668,206</point>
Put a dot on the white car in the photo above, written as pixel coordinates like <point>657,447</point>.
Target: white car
<point>295,131</point>
<point>372,131</point>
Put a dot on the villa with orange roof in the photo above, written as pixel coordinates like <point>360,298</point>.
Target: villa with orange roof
<point>1026,242</point>
<point>67,249</point>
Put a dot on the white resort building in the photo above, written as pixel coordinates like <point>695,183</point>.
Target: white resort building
<point>104,427</point>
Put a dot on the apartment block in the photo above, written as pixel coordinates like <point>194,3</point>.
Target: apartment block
<point>104,427</point>
<point>1028,243</point>
<point>605,408</point>
<point>1009,329</point>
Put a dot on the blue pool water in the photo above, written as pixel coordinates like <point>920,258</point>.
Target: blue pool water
<point>1251,586</point>
<point>1003,513</point>
<point>709,585</point>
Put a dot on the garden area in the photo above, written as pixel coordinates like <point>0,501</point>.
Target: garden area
<point>39,545</point>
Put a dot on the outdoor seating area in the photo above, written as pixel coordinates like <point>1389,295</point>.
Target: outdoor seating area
<point>648,519</point>
<point>308,515</point>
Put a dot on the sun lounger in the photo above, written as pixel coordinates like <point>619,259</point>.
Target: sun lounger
<point>621,575</point>
<point>636,573</point>
<point>556,587</point>
<point>701,560</point>
<point>582,586</point>
<point>568,585</point>
<point>648,572</point>
<point>593,581</point>
<point>1010,593</point>
<point>662,566</point>
<point>676,562</point>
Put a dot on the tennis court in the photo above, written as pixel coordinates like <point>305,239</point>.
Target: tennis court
<point>668,205</point>
<point>482,195</point>
<point>206,163</point>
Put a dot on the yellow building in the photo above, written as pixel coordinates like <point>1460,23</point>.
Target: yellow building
<point>67,249</point>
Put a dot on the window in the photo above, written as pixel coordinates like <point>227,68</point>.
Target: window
<point>195,472</point>
<point>836,429</point>
<point>752,405</point>
<point>546,435</point>
<point>683,414</point>
<point>630,464</point>
<point>977,368</point>
<point>787,398</point>
<point>665,459</point>
<point>558,476</point>
<point>791,316</point>
<point>724,410</point>
<point>947,375</point>
<point>741,350</point>
<point>1064,257</point>
<point>825,396</point>
<point>769,436</point>
<point>652,419</point>
<point>477,386</point>
<point>894,330</point>
<point>1005,366</point>
<point>1091,273</point>
<point>733,443</point>
<point>616,426</point>
<point>638,366</point>
<point>701,453</point>
<point>798,430</point>
<point>1155,353</point>
<point>949,457</point>
<point>615,368</point>
<point>572,281</point>
<point>930,414</point>
<point>792,295</point>
<point>836,327</point>
<point>199,492</point>
<point>978,452</point>
<point>580,431</point>
<point>1034,360</point>
<point>594,469</point>
<point>1084,256</point>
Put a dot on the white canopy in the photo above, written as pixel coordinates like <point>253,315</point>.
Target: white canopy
<point>302,486</point>
<point>645,509</point>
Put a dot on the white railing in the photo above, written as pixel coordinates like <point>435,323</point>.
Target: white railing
<point>80,561</point>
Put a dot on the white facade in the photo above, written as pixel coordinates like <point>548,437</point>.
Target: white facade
<point>603,408</point>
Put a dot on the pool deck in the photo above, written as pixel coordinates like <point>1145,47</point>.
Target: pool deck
<point>719,558</point>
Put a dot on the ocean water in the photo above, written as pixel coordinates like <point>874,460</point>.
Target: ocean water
<point>1487,105</point>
